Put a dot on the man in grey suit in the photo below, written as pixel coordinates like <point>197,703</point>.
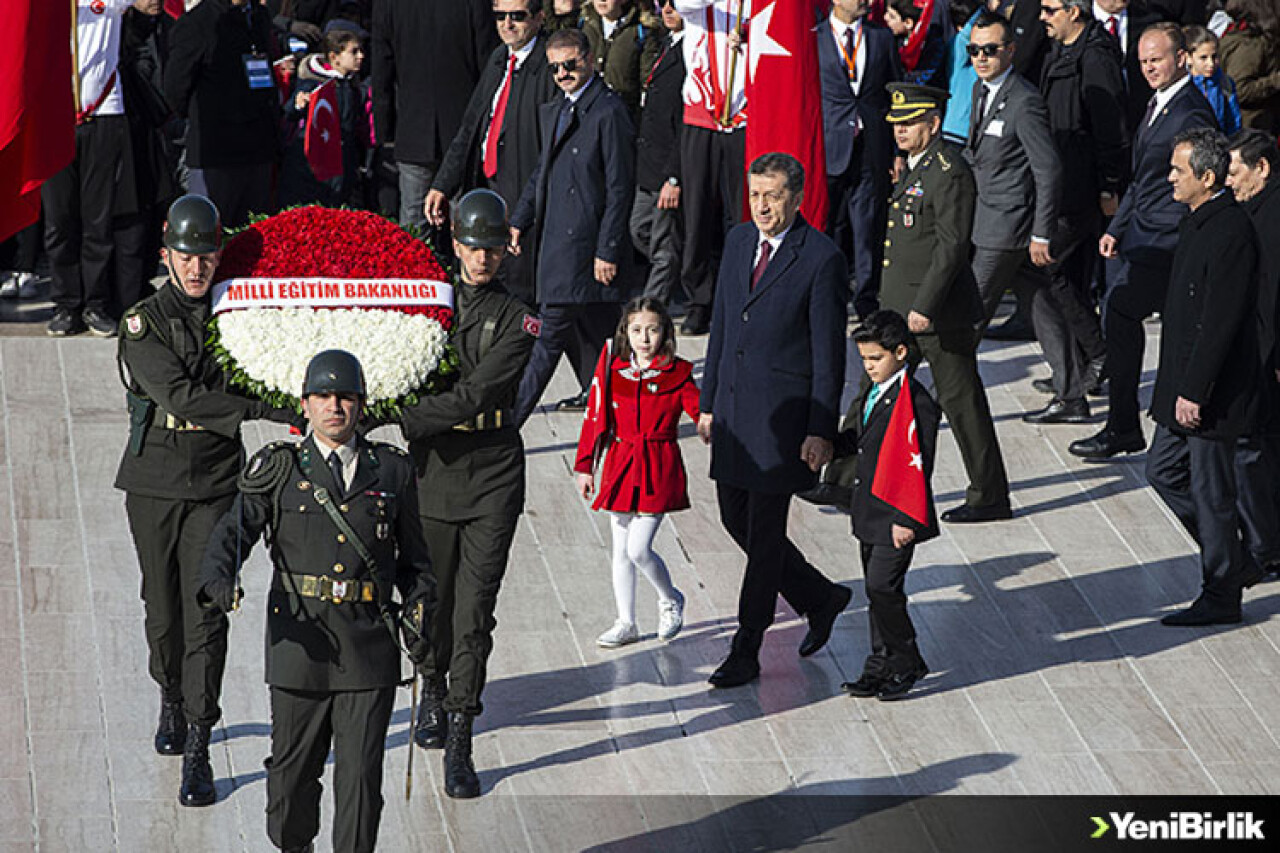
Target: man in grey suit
<point>1011,151</point>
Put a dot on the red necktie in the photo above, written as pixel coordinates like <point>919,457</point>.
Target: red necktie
<point>1113,26</point>
<point>758,273</point>
<point>495,123</point>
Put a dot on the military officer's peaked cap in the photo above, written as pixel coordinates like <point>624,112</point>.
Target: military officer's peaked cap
<point>909,101</point>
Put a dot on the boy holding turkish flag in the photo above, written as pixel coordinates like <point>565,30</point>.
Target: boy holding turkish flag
<point>893,435</point>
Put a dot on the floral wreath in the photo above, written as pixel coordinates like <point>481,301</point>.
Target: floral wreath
<point>315,278</point>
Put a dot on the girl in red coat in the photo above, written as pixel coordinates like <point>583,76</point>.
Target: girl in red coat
<point>640,388</point>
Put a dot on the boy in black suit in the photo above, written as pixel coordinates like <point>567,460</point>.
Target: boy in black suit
<point>892,505</point>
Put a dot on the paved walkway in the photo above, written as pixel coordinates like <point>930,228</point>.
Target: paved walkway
<point>1052,674</point>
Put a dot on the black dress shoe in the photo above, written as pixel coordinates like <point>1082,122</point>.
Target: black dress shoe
<point>897,685</point>
<point>1044,386</point>
<point>696,322</point>
<point>828,494</point>
<point>1013,329</point>
<point>1106,444</point>
<point>867,685</point>
<point>965,514</point>
<point>1201,613</point>
<point>1060,412</point>
<point>823,620</point>
<point>1254,574</point>
<point>736,671</point>
<point>576,403</point>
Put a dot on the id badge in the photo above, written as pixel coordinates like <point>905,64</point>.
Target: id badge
<point>258,71</point>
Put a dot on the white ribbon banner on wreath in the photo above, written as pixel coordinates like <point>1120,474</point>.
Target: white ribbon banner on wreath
<point>282,292</point>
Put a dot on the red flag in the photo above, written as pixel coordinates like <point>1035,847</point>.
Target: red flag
<point>174,8</point>
<point>912,50</point>
<point>596,423</point>
<point>37,113</point>
<point>784,95</point>
<point>899,479</point>
<point>323,142</point>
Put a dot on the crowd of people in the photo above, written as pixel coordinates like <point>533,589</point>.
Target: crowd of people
<point>582,166</point>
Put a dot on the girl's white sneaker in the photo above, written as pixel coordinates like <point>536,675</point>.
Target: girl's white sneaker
<point>620,634</point>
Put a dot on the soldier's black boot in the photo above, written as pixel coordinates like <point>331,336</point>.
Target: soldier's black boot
<point>171,732</point>
<point>433,723</point>
<point>460,779</point>
<point>197,775</point>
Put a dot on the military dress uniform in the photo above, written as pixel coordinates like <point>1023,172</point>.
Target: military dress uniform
<point>333,660</point>
<point>179,477</point>
<point>469,458</point>
<point>926,270</point>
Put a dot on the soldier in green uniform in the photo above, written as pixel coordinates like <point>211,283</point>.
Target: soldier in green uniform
<point>927,279</point>
<point>179,476</point>
<point>340,514</point>
<point>470,463</point>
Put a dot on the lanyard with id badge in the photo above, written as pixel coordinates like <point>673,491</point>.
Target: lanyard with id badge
<point>257,67</point>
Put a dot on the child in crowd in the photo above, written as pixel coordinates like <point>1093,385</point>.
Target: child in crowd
<point>341,61</point>
<point>892,508</point>
<point>922,40</point>
<point>1218,88</point>
<point>637,395</point>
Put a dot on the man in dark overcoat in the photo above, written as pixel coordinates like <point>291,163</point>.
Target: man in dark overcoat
<point>771,400</point>
<point>1207,393</point>
<point>579,200</point>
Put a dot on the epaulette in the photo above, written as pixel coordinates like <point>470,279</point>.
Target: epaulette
<point>393,448</point>
<point>267,468</point>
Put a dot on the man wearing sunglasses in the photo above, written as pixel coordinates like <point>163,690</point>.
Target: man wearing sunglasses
<point>498,142</point>
<point>579,200</point>
<point>1011,151</point>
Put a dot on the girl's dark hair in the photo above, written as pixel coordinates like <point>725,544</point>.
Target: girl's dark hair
<point>907,10</point>
<point>622,345</point>
<point>337,41</point>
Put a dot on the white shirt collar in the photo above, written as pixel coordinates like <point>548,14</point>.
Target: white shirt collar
<point>576,96</point>
<point>523,53</point>
<point>889,383</point>
<point>1165,95</point>
<point>840,27</point>
<point>994,85</point>
<point>913,159</point>
<point>774,242</point>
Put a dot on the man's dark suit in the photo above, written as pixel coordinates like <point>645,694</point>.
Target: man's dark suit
<point>926,270</point>
<point>1146,230</point>
<point>1137,90</point>
<point>578,198</point>
<point>426,57</point>
<point>774,374</point>
<point>1209,356</point>
<point>859,146</point>
<point>519,143</point>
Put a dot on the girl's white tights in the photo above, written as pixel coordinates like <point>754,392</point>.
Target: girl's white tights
<point>633,549</point>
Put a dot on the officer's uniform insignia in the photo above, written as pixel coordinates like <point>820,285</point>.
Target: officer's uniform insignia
<point>135,325</point>
<point>944,162</point>
<point>915,191</point>
<point>908,220</point>
<point>532,325</point>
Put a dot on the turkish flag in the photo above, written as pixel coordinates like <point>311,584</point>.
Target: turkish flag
<point>174,8</point>
<point>37,111</point>
<point>323,141</point>
<point>914,47</point>
<point>785,96</point>
<point>596,423</point>
<point>899,479</point>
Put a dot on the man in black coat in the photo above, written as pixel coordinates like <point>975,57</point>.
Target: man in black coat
<point>1142,235</point>
<point>770,401</point>
<point>342,517</point>
<point>498,141</point>
<point>219,78</point>
<point>855,60</point>
<point>1083,88</point>
<point>578,198</point>
<point>657,226</point>
<point>1254,178</point>
<point>1207,386</point>
<point>427,57</point>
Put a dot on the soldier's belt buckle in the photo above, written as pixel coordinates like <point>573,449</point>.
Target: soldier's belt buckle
<point>338,591</point>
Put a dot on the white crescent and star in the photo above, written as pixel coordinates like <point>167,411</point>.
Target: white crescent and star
<point>323,104</point>
<point>761,43</point>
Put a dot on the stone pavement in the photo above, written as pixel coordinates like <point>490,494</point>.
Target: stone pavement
<point>1051,673</point>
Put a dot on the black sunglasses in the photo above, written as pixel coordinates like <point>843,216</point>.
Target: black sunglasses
<point>987,50</point>
<point>519,16</point>
<point>1051,10</point>
<point>568,66</point>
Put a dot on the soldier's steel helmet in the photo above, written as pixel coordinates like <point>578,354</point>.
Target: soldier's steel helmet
<point>480,220</point>
<point>193,226</point>
<point>334,371</point>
